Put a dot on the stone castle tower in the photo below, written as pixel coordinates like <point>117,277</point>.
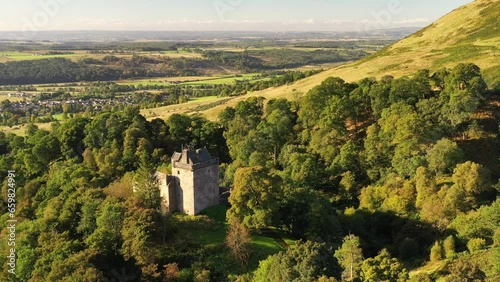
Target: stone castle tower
<point>194,183</point>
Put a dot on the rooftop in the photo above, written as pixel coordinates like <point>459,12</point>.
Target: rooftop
<point>192,157</point>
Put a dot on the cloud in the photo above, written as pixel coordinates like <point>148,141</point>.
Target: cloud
<point>413,21</point>
<point>299,22</point>
<point>99,22</point>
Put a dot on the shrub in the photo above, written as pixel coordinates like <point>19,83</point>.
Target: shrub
<point>421,277</point>
<point>449,247</point>
<point>463,270</point>
<point>476,244</point>
<point>496,238</point>
<point>436,252</point>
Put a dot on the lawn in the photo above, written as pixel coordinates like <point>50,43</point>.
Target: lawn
<point>262,244</point>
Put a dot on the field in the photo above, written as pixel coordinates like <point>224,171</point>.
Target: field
<point>24,56</point>
<point>224,80</point>
<point>78,54</point>
<point>20,130</point>
<point>192,106</point>
<point>483,258</point>
<point>190,80</point>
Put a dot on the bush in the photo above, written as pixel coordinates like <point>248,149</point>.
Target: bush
<point>202,276</point>
<point>421,277</point>
<point>436,252</point>
<point>185,275</point>
<point>464,270</point>
<point>449,247</point>
<point>476,244</point>
<point>496,238</point>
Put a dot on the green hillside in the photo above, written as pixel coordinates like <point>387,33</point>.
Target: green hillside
<point>469,34</point>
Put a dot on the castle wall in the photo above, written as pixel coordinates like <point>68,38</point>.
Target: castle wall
<point>206,187</point>
<point>184,190</point>
<point>163,186</point>
<point>171,200</point>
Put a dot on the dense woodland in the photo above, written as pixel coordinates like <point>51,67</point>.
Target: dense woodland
<point>372,179</point>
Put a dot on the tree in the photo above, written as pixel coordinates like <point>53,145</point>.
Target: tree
<point>444,156</point>
<point>425,185</point>
<point>383,268</point>
<point>436,252</point>
<point>171,272</point>
<point>476,244</point>
<point>408,249</point>
<point>300,169</point>
<point>278,128</point>
<point>315,101</point>
<point>378,152</point>
<point>137,232</point>
<point>464,92</point>
<point>349,256</point>
<point>464,271</point>
<point>472,177</point>
<point>306,213</point>
<point>107,236</point>
<point>261,274</point>
<point>238,241</point>
<point>404,89</point>
<point>449,247</point>
<point>247,116</point>
<point>77,267</point>
<point>379,95</point>
<point>480,223</point>
<point>146,182</point>
<point>71,135</point>
<point>255,197</point>
<point>306,261</point>
<point>179,126</point>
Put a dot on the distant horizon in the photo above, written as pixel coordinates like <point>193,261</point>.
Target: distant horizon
<point>220,15</point>
<point>228,31</point>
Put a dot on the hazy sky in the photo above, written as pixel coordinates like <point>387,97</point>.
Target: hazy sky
<point>199,15</point>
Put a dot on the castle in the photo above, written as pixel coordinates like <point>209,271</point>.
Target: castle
<point>194,183</point>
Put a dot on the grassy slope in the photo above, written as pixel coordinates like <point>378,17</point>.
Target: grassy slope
<point>470,33</point>
<point>482,258</point>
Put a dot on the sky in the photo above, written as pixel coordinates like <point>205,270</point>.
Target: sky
<point>216,15</point>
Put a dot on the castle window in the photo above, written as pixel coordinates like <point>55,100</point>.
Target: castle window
<point>178,172</point>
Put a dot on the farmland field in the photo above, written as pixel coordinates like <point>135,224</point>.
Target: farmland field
<point>24,56</point>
